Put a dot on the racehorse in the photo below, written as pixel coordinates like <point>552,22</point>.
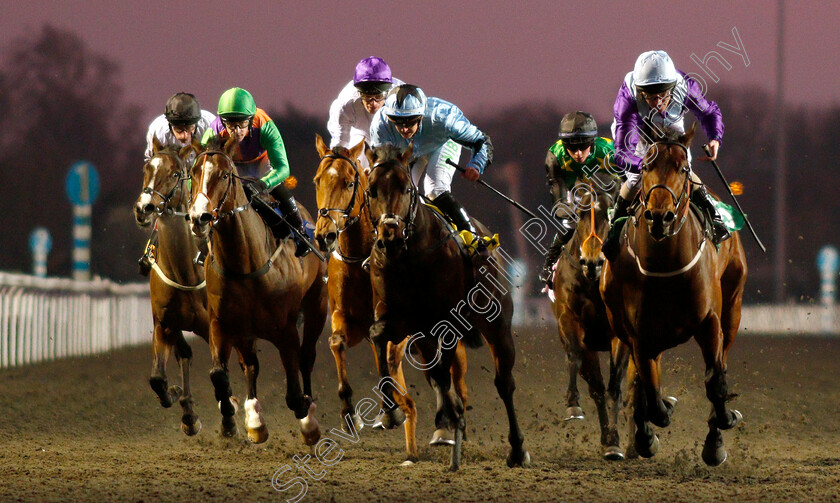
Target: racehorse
<point>344,229</point>
<point>581,316</point>
<point>424,284</point>
<point>670,284</point>
<point>179,299</point>
<point>256,288</point>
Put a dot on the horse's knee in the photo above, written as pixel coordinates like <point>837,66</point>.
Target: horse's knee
<point>505,384</point>
<point>716,387</point>
<point>221,385</point>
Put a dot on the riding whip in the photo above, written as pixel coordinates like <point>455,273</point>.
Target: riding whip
<point>296,232</point>
<point>506,198</point>
<point>746,220</point>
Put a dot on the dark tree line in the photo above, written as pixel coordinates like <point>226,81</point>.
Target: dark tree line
<point>65,103</point>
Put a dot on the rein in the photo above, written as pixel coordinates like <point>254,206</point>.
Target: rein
<point>217,213</point>
<point>164,208</point>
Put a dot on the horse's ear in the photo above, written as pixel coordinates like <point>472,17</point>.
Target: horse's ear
<point>407,153</point>
<point>320,145</point>
<point>355,151</point>
<point>157,146</point>
<point>230,147</point>
<point>194,146</point>
<point>686,138</point>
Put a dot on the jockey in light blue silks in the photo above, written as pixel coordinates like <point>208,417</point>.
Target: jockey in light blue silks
<point>437,129</point>
<point>651,103</point>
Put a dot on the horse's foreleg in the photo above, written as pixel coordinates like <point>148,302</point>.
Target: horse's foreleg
<point>406,403</point>
<point>619,357</point>
<point>591,372</point>
<point>504,355</point>
<point>645,440</point>
<point>393,416</point>
<point>338,347</point>
<point>658,411</point>
<point>710,339</point>
<point>302,405</point>
<point>220,354</point>
<point>314,307</point>
<point>161,348</point>
<point>569,331</point>
<point>254,423</point>
<point>190,423</point>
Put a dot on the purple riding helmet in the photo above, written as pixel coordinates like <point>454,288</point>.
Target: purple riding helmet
<point>372,76</point>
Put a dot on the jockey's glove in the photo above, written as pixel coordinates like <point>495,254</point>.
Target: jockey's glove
<point>254,188</point>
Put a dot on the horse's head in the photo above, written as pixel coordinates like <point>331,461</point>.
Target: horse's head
<point>666,185</point>
<point>163,178</point>
<point>392,197</point>
<point>339,190</point>
<point>216,190</point>
<point>592,227</point>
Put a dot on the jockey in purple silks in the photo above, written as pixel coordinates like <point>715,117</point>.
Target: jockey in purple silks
<point>652,103</point>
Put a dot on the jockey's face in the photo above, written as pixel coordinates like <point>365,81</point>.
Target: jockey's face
<point>183,133</point>
<point>406,126</point>
<point>659,101</point>
<point>373,102</point>
<point>237,130</point>
<point>578,152</point>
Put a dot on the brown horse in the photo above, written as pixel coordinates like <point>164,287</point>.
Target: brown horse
<point>669,284</point>
<point>256,288</point>
<point>582,319</point>
<point>345,230</point>
<point>424,284</point>
<point>179,299</point>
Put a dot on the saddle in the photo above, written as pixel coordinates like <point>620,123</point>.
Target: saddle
<point>468,241</point>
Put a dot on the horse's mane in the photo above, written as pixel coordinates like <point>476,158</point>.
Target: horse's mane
<point>217,142</point>
<point>387,153</point>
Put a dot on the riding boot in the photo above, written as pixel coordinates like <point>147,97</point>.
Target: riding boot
<point>458,215</point>
<point>554,251</point>
<point>610,247</point>
<point>145,262</point>
<point>701,197</point>
<point>292,215</point>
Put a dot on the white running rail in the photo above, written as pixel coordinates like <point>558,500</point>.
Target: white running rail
<point>48,318</point>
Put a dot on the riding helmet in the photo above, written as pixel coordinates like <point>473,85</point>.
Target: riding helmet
<point>372,76</point>
<point>236,104</point>
<point>578,127</point>
<point>654,72</point>
<point>182,109</point>
<point>405,101</point>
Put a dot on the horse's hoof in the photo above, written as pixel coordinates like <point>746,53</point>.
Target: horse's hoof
<point>442,437</point>
<point>613,453</point>
<point>392,419</point>
<point>735,417</point>
<point>522,460</point>
<point>646,447</point>
<point>409,462</point>
<point>228,427</point>
<point>258,435</point>
<point>358,424</point>
<point>670,403</point>
<point>573,413</point>
<point>311,438</point>
<point>714,452</point>
<point>191,429</point>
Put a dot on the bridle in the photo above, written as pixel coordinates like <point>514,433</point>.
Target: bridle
<point>164,208</point>
<point>217,213</point>
<point>677,200</point>
<point>349,220</point>
<point>408,226</point>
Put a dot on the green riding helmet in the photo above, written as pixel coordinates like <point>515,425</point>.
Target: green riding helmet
<point>236,104</point>
<point>578,127</point>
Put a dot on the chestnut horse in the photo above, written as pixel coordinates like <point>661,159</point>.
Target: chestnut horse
<point>581,316</point>
<point>345,230</point>
<point>670,284</point>
<point>256,288</point>
<point>425,284</point>
<point>179,299</point>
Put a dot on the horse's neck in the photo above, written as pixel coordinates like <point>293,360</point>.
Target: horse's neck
<point>242,241</point>
<point>673,252</point>
<point>176,248</point>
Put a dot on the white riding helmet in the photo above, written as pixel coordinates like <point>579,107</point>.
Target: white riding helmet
<point>405,101</point>
<point>654,72</point>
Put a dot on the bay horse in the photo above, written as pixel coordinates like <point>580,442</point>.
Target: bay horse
<point>179,299</point>
<point>670,284</point>
<point>424,284</point>
<point>256,288</point>
<point>581,316</point>
<point>344,229</point>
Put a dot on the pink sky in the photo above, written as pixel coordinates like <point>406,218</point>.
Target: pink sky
<point>476,54</point>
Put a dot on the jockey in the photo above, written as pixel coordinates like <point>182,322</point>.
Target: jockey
<point>260,146</point>
<point>182,120</point>
<point>653,100</point>
<point>437,129</point>
<point>352,111</point>
<point>578,153</point>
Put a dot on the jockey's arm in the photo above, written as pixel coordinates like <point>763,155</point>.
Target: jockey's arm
<point>272,142</point>
<point>627,127</point>
<point>556,183</point>
<point>460,130</point>
<point>341,118</point>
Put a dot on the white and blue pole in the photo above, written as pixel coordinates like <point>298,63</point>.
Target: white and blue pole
<point>40,242</point>
<point>82,189</point>
<point>828,262</point>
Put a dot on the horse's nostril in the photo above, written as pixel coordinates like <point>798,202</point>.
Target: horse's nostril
<point>330,237</point>
<point>669,217</point>
<point>600,262</point>
<point>582,261</point>
<point>205,218</point>
<point>648,215</point>
<point>380,244</point>
<point>149,208</point>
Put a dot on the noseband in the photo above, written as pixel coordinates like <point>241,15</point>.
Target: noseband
<point>349,220</point>
<point>408,224</point>
<point>677,200</point>
<point>217,213</point>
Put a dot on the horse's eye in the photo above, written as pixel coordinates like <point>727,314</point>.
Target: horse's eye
<point>407,190</point>
<point>174,175</point>
<point>225,176</point>
<point>351,185</point>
